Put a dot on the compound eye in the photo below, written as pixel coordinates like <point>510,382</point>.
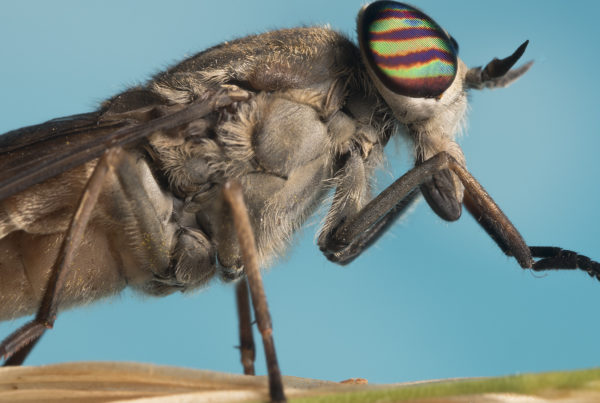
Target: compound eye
<point>408,51</point>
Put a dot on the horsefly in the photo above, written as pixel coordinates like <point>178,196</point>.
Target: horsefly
<point>209,168</point>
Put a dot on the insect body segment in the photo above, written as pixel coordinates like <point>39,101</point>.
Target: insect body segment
<point>410,52</point>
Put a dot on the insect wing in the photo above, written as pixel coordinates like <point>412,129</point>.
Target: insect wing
<point>33,154</point>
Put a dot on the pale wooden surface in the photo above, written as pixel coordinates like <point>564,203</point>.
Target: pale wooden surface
<point>134,382</point>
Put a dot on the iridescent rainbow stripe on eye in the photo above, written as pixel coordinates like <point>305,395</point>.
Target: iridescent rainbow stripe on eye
<point>407,50</point>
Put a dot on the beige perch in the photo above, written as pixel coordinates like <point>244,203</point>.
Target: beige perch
<point>133,382</point>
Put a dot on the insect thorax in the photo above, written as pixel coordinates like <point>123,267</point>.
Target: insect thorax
<point>311,105</point>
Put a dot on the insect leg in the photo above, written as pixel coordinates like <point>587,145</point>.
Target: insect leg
<point>46,315</point>
<point>144,214</point>
<point>232,192</point>
<point>247,349</point>
<point>355,233</point>
<point>551,258</point>
<point>343,253</point>
<point>20,356</point>
<point>352,237</point>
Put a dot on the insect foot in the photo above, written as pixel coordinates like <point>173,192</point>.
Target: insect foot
<point>555,258</point>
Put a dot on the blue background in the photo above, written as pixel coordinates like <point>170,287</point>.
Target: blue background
<point>431,299</point>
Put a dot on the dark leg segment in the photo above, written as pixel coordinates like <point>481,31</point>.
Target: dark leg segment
<point>505,233</point>
<point>487,223</point>
<point>232,192</point>
<point>355,234</point>
<point>358,232</point>
<point>27,335</point>
<point>17,358</point>
<point>344,254</point>
<point>554,258</point>
<point>363,226</point>
<point>247,350</point>
<point>551,257</point>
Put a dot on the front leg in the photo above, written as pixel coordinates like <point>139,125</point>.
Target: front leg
<point>355,233</point>
<point>350,203</point>
<point>550,257</point>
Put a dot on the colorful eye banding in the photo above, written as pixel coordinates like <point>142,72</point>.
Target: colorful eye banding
<point>410,53</point>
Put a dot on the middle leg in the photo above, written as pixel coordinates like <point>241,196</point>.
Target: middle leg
<point>232,192</point>
<point>247,349</point>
